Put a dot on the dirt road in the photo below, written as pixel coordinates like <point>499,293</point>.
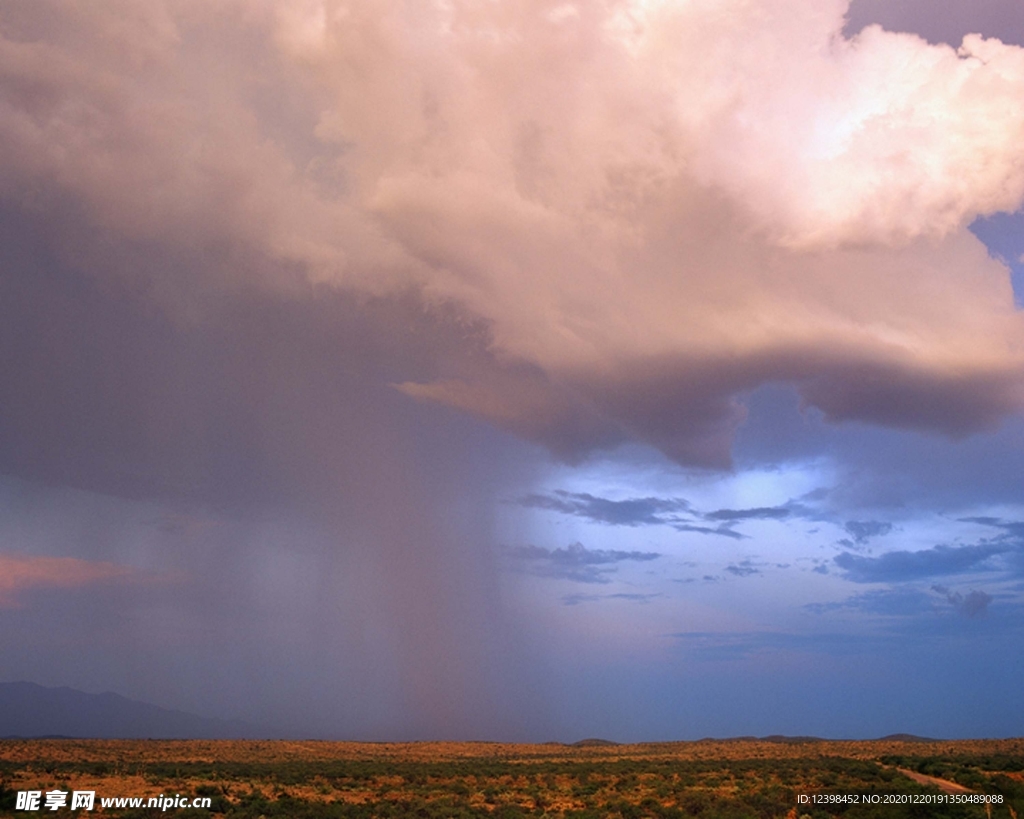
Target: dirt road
<point>943,785</point>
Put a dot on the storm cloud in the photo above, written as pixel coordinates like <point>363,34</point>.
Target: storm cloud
<point>563,175</point>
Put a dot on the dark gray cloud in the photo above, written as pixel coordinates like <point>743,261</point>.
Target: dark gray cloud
<point>630,512</point>
<point>575,562</point>
<point>722,531</point>
<point>744,568</point>
<point>908,602</point>
<point>678,513</point>
<point>785,511</point>
<point>894,567</point>
<point>864,530</point>
<point>758,513</point>
<point>576,599</point>
<point>1011,527</point>
<point>972,604</point>
<point>892,602</point>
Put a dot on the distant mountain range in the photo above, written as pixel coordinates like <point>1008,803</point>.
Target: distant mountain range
<point>800,740</point>
<point>30,710</point>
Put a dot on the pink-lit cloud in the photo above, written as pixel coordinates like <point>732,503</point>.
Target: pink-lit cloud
<point>652,205</point>
<point>25,573</point>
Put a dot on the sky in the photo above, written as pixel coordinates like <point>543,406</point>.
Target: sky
<point>519,370</point>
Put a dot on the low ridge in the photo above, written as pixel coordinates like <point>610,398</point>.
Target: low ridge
<point>28,710</point>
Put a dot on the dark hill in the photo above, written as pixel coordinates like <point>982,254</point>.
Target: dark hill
<point>30,710</point>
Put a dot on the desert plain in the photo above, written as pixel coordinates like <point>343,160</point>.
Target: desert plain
<point>755,778</point>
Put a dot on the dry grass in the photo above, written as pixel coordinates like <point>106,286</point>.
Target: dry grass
<point>478,778</point>
<point>277,751</point>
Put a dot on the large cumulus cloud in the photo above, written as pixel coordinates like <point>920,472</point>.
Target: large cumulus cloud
<point>651,206</point>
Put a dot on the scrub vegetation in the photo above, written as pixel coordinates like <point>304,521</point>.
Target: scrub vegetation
<point>735,779</point>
